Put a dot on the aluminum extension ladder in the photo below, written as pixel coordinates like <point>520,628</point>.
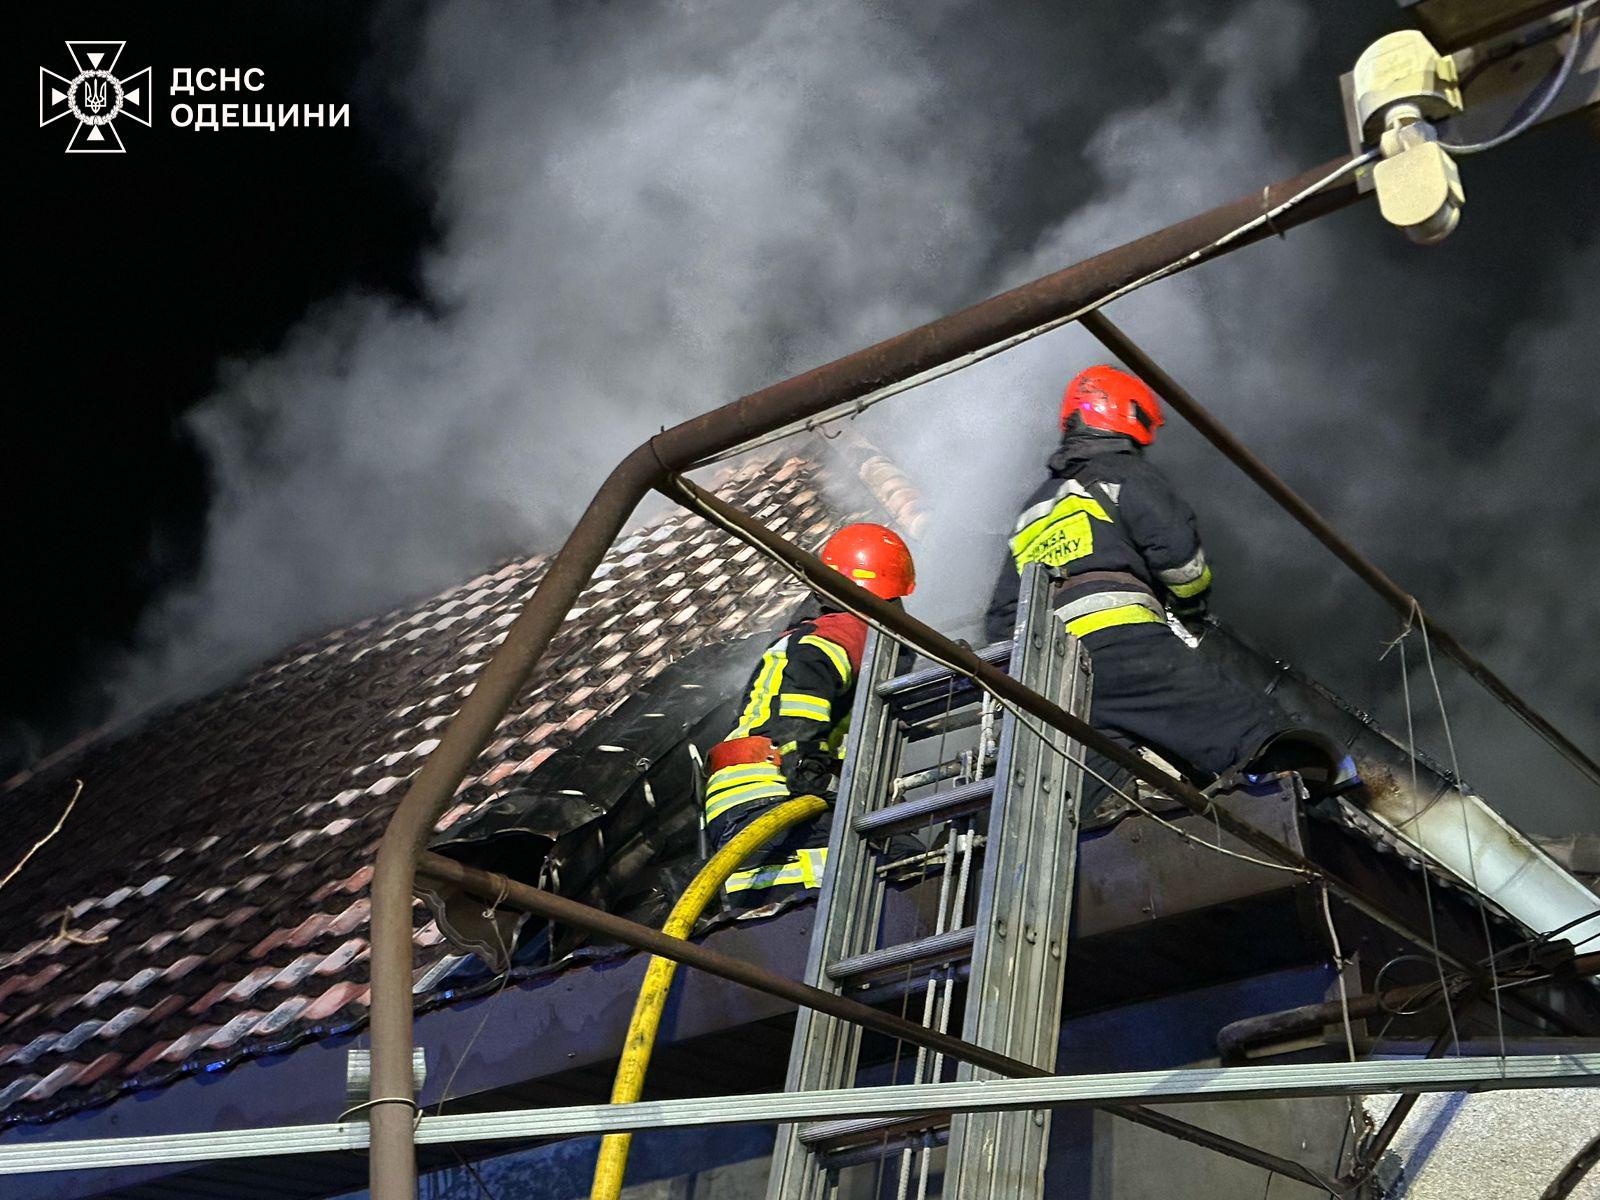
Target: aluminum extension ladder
<point>1000,882</point>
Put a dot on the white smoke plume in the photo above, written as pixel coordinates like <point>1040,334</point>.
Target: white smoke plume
<point>647,209</point>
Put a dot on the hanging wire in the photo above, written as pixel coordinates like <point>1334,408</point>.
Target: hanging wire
<point>1339,965</point>
<point>1427,875</point>
<point>489,914</point>
<point>1265,218</point>
<point>1217,847</point>
<point>1466,833</point>
<point>473,1171</point>
<point>1353,1105</point>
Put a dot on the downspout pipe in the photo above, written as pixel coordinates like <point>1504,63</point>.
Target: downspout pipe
<point>393,1167</point>
<point>1405,605</point>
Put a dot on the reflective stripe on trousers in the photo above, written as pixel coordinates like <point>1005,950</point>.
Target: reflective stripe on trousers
<point>805,868</point>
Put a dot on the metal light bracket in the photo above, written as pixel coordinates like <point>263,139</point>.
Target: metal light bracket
<point>1399,87</point>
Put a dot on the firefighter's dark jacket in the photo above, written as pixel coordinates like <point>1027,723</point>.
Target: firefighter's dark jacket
<point>799,696</point>
<point>1111,528</point>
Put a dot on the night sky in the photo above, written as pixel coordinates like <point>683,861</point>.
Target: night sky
<point>157,278</point>
<point>205,247</point>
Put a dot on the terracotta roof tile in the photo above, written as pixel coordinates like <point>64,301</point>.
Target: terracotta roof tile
<point>234,834</point>
<point>98,1069</point>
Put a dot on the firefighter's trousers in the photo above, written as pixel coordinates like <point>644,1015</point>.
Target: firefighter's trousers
<point>793,862</point>
<point>1152,690</point>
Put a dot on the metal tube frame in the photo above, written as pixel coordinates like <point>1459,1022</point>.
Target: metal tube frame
<point>658,464</point>
<point>1281,1081</point>
<point>393,1166</point>
<point>496,888</point>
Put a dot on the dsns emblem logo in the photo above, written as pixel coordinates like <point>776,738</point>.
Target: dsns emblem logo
<point>95,96</point>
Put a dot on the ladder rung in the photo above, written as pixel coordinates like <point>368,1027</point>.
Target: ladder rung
<point>821,1134</point>
<point>926,810</point>
<point>940,947</point>
<point>999,652</point>
<point>884,1147</point>
<point>892,989</point>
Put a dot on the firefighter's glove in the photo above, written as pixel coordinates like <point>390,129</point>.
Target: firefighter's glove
<point>808,773</point>
<point>1190,611</point>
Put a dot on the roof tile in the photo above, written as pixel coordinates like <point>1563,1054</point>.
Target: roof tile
<point>300,746</point>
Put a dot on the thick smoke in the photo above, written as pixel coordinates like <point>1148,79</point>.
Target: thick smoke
<point>1374,379</point>
<point>650,209</point>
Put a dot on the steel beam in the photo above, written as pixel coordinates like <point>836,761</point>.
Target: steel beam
<point>1054,297</point>
<point>772,1108</point>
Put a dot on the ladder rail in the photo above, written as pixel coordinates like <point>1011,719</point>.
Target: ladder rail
<point>1019,955</point>
<point>1008,939</point>
<point>824,1048</point>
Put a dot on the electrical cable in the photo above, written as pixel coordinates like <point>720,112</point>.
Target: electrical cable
<point>473,1171</point>
<point>1427,1000</point>
<point>1023,720</point>
<point>1558,82</point>
<point>489,914</point>
<point>1339,965</point>
<point>857,407</point>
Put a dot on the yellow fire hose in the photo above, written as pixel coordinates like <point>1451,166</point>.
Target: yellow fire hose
<point>613,1160</point>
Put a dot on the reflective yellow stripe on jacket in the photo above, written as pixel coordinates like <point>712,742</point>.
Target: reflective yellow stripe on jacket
<point>1055,532</point>
<point>1126,614</point>
<point>1189,579</point>
<point>811,708</point>
<point>835,652</point>
<point>744,783</point>
<point>758,711</point>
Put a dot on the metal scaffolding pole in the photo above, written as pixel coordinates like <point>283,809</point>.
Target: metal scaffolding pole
<point>1407,606</point>
<point>1052,298</point>
<point>1278,1082</point>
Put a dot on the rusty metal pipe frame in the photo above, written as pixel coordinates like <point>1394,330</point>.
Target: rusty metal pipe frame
<point>1238,1038</point>
<point>496,888</point>
<point>902,625</point>
<point>393,1167</point>
<point>1371,1154</point>
<point>1407,606</point>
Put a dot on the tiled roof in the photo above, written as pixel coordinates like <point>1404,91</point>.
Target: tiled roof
<point>206,901</point>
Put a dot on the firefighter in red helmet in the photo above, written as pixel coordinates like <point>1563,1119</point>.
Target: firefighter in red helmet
<point>1124,549</point>
<point>795,714</point>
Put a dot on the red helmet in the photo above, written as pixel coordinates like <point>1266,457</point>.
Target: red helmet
<point>873,556</point>
<point>1112,401</point>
